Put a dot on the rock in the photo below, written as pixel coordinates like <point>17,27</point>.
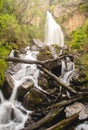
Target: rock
<point>7,86</point>
<point>33,98</point>
<point>38,43</point>
<point>9,79</point>
<point>14,68</point>
<point>25,87</point>
<point>45,54</point>
<point>43,81</point>
<point>77,108</point>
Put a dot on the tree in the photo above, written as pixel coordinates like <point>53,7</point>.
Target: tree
<point>9,28</point>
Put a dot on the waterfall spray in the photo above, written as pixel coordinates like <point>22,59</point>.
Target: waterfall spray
<point>53,31</point>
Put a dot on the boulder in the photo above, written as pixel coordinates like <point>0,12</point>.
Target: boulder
<point>33,99</point>
<point>77,107</point>
<point>25,87</point>
<point>43,81</point>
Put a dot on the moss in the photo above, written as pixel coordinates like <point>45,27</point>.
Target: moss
<point>84,8</point>
<point>60,128</point>
<point>79,37</point>
<point>4,52</point>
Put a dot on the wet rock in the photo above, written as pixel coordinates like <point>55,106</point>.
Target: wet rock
<point>9,79</point>
<point>33,98</point>
<point>14,68</point>
<point>77,108</point>
<point>7,86</point>
<point>25,87</point>
<point>38,43</point>
<point>43,81</point>
<point>45,54</point>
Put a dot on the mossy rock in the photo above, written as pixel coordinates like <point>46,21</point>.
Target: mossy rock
<point>45,54</point>
<point>33,99</point>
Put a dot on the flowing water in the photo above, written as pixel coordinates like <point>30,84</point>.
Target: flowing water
<point>53,32</point>
<point>83,126</point>
<point>12,114</point>
<point>68,68</point>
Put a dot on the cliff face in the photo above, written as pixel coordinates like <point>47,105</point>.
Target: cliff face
<point>69,16</point>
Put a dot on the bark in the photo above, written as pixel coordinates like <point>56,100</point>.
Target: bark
<point>56,109</point>
<point>46,120</point>
<point>15,59</point>
<point>63,123</point>
<point>58,80</point>
<point>65,102</point>
<point>44,69</point>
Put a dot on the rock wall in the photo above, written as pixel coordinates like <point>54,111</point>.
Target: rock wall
<point>71,17</point>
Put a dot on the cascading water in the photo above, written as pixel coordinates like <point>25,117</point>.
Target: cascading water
<point>83,126</point>
<point>12,113</point>
<point>68,68</point>
<point>53,32</point>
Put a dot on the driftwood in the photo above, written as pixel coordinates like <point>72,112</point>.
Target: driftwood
<point>58,80</point>
<point>64,102</point>
<point>44,69</point>
<point>56,109</point>
<point>46,120</point>
<point>63,123</point>
<point>15,59</point>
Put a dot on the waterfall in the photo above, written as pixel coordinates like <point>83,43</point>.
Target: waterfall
<point>53,32</point>
<point>12,115</point>
<point>67,69</point>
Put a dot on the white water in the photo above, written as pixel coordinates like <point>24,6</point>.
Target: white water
<point>83,126</point>
<point>68,68</point>
<point>12,116</point>
<point>53,32</point>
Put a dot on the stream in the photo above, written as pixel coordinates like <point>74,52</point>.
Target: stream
<point>13,115</point>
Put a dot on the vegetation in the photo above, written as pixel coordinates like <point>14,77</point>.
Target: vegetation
<point>79,37</point>
<point>18,26</point>
<point>84,8</point>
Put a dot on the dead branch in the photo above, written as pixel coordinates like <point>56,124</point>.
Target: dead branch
<point>44,69</point>
<point>15,59</point>
<point>64,102</point>
<point>58,80</point>
<point>46,120</point>
<point>64,122</point>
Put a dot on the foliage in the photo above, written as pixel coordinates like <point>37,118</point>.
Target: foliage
<point>7,6</point>
<point>33,31</point>
<point>79,46</point>
<point>9,28</point>
<point>79,38</point>
<point>4,51</point>
<point>84,8</point>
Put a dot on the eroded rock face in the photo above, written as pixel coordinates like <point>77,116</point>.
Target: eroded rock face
<point>70,16</point>
<point>77,108</point>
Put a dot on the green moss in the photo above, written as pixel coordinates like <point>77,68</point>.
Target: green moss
<point>4,52</point>
<point>84,8</point>
<point>79,37</point>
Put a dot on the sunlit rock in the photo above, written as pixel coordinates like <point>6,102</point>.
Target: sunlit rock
<point>77,108</point>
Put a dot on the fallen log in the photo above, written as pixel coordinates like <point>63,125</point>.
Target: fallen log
<point>46,120</point>
<point>64,103</point>
<point>63,123</point>
<point>58,80</point>
<point>56,109</point>
<point>43,69</point>
<point>15,59</point>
